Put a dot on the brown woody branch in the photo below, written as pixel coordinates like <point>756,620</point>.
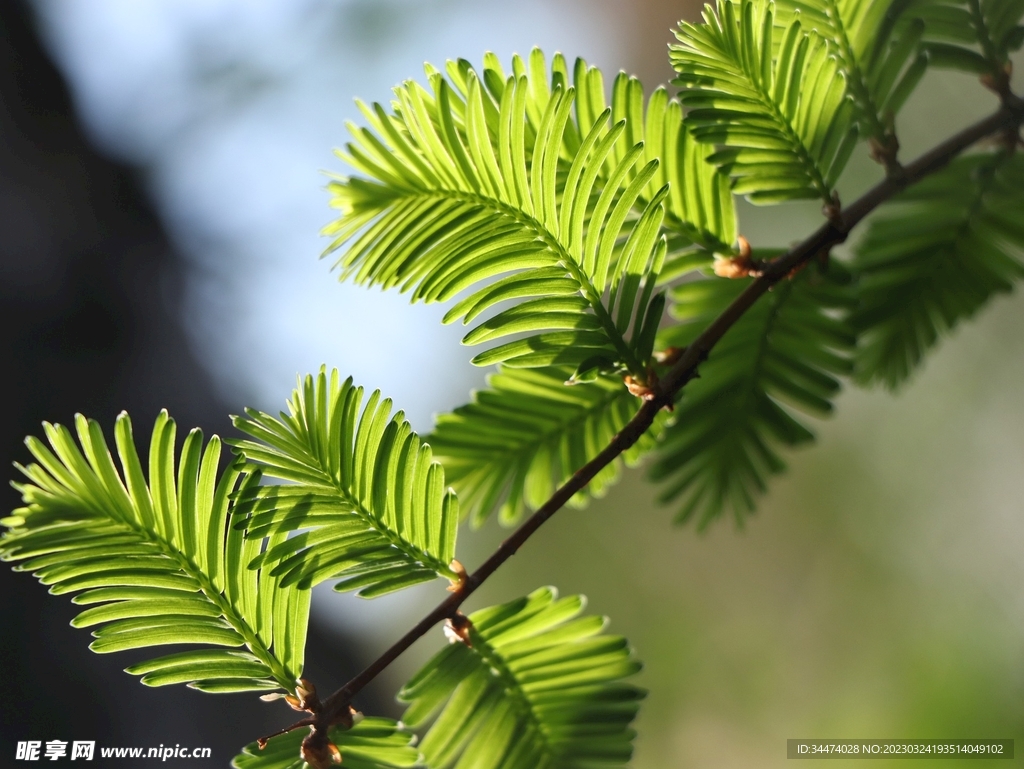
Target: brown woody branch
<point>1009,117</point>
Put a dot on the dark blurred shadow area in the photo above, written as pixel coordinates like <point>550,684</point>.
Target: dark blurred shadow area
<point>89,287</point>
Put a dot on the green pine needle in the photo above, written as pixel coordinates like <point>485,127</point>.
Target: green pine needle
<point>785,353</point>
<point>783,120</point>
<point>526,434</point>
<point>157,564</point>
<point>536,686</point>
<point>934,256</point>
<point>364,490</point>
<point>876,47</point>
<point>505,188</point>
<point>973,36</point>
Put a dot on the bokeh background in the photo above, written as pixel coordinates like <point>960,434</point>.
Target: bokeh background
<point>161,191</point>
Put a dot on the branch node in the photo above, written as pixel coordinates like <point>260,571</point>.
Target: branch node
<point>318,751</point>
<point>304,699</point>
<point>884,151</point>
<point>458,583</point>
<point>639,388</point>
<point>347,718</point>
<point>833,211</point>
<point>742,265</point>
<point>306,692</point>
<point>457,627</point>
<point>998,80</point>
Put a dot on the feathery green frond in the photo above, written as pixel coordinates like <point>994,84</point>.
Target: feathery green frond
<point>444,210</point>
<point>373,743</point>
<point>364,490</point>
<point>878,55</point>
<point>700,217</point>
<point>536,687</point>
<point>699,206</point>
<point>156,564</point>
<point>784,123</point>
<point>934,256</point>
<point>784,353</point>
<point>975,36</point>
<point>526,434</point>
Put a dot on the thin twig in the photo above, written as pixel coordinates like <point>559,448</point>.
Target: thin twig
<point>830,234</point>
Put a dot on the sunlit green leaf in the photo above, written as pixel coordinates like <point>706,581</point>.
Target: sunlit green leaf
<point>975,36</point>
<point>526,434</point>
<point>784,354</point>
<point>777,108</point>
<point>934,256</point>
<point>362,488</point>
<point>877,49</point>
<point>155,559</point>
<point>537,685</point>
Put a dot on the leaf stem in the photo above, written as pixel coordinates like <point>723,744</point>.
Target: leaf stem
<point>413,552</point>
<point>985,37</point>
<point>562,254</point>
<point>858,83</point>
<point>252,639</point>
<point>832,233</point>
<point>801,151</point>
<point>218,599</point>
